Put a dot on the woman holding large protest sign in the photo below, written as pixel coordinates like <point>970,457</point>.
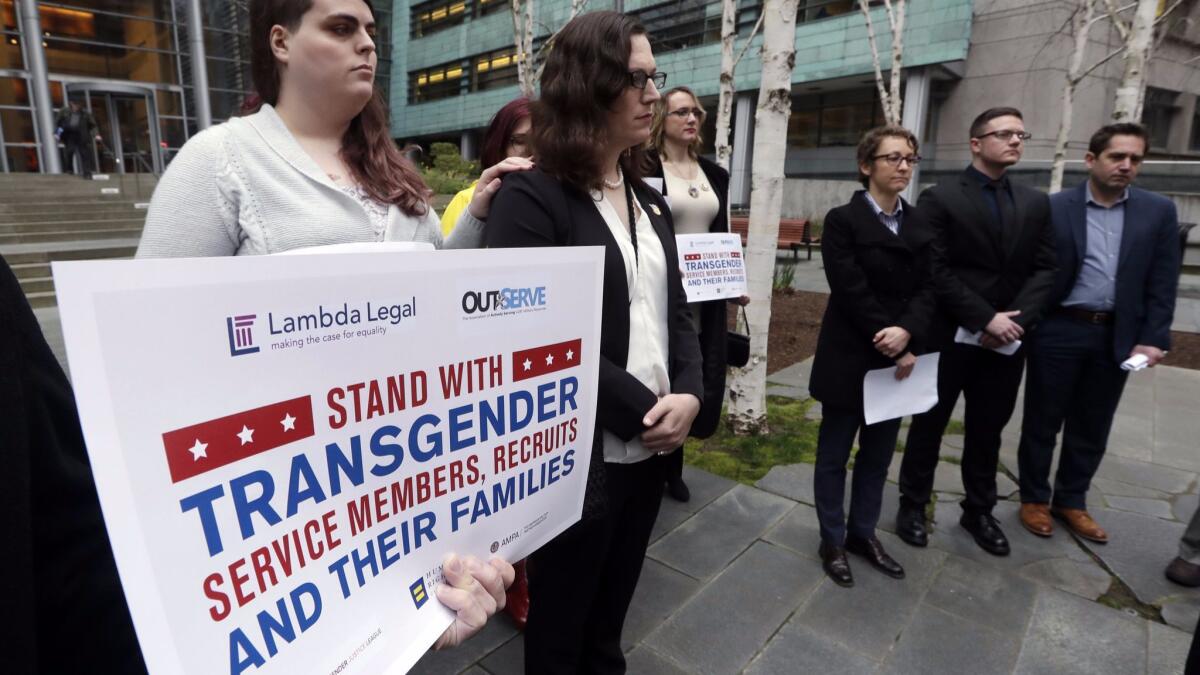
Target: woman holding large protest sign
<point>315,163</point>
<point>599,87</point>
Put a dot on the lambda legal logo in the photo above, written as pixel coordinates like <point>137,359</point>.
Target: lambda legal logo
<point>241,334</point>
<point>419,595</point>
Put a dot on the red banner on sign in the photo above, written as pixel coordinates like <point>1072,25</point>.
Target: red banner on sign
<point>206,446</point>
<point>529,363</point>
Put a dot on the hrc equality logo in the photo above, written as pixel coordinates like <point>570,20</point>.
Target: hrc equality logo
<point>419,595</point>
<point>241,334</point>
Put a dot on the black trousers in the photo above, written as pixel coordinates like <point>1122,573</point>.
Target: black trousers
<point>989,381</point>
<point>75,144</point>
<point>581,583</point>
<point>673,465</point>
<point>1074,384</point>
<point>876,445</point>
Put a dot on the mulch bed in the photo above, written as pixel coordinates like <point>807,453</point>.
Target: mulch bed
<point>796,321</point>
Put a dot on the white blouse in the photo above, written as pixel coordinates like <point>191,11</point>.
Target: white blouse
<point>692,214</point>
<point>646,278</point>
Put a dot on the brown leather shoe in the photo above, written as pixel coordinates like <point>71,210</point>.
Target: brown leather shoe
<point>1079,522</point>
<point>1036,519</point>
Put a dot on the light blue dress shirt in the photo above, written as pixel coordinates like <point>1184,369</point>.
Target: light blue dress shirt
<point>1096,285</point>
<point>890,220</point>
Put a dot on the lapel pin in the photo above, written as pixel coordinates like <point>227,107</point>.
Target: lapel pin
<point>654,208</point>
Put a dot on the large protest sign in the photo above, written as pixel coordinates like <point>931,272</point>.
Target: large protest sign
<point>712,265</point>
<point>286,447</point>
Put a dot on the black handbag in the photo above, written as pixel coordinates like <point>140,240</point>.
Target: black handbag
<point>737,345</point>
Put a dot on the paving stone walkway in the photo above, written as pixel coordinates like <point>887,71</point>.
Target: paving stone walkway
<point>732,581</point>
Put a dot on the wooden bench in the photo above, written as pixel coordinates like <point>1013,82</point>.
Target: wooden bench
<point>793,233</point>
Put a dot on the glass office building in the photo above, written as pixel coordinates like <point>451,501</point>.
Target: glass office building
<point>130,62</point>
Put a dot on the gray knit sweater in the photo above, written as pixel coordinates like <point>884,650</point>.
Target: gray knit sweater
<point>246,187</point>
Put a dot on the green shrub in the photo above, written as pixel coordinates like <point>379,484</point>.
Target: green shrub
<point>785,273</point>
<point>443,183</point>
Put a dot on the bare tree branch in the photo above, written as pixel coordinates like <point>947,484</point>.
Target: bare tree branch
<point>1108,57</point>
<point>1118,23</point>
<point>750,38</point>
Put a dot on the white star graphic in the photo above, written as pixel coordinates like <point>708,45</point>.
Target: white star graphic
<point>288,422</point>
<point>549,359</point>
<point>528,364</point>
<point>570,355</point>
<point>246,434</point>
<point>198,450</point>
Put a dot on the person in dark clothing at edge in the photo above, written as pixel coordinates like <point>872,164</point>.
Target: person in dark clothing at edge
<point>994,267</point>
<point>76,127</point>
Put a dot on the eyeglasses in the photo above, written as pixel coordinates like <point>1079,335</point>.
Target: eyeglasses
<point>1007,135</point>
<point>683,113</point>
<point>639,78</point>
<point>895,158</point>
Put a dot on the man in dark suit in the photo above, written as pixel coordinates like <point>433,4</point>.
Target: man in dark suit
<point>1113,299</point>
<point>994,264</point>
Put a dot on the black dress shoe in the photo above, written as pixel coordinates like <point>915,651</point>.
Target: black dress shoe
<point>986,531</point>
<point>833,561</point>
<point>873,551</point>
<point>910,526</point>
<point>678,489</point>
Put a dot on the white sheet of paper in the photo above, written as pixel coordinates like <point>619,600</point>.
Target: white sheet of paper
<point>1135,363</point>
<point>965,337</point>
<point>886,398</point>
<point>712,266</point>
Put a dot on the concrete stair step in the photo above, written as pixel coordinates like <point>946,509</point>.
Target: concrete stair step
<point>27,196</point>
<point>30,270</point>
<point>83,249</point>
<point>42,299</point>
<point>37,285</point>
<point>46,227</point>
<point>56,209</point>
<point>71,235</point>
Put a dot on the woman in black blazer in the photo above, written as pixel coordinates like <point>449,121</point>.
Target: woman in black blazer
<point>698,192</point>
<point>599,86</point>
<point>877,255</point>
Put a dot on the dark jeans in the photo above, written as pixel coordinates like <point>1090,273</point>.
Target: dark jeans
<point>989,381</point>
<point>75,144</point>
<point>581,583</point>
<point>1074,385</point>
<point>876,444</point>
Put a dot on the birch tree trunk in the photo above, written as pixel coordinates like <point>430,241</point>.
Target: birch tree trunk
<point>729,64</point>
<point>522,16</point>
<point>889,94</point>
<point>1080,23</point>
<point>1127,107</point>
<point>725,96</point>
<point>748,400</point>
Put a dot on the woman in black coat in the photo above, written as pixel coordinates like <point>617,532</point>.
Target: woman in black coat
<point>598,88</point>
<point>698,192</point>
<point>877,255</point>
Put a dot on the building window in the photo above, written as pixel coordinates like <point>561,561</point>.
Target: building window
<point>436,83</point>
<point>836,119</point>
<point>430,17</point>
<point>1158,114</point>
<point>680,24</point>
<point>485,7</point>
<point>495,69</point>
<point>815,10</point>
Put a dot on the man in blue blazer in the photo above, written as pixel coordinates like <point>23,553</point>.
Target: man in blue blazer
<point>1113,298</point>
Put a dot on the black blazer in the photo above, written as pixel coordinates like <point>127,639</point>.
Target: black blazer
<point>1147,264</point>
<point>535,209</point>
<point>977,270</point>
<point>713,314</point>
<point>876,280</point>
<point>57,574</point>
